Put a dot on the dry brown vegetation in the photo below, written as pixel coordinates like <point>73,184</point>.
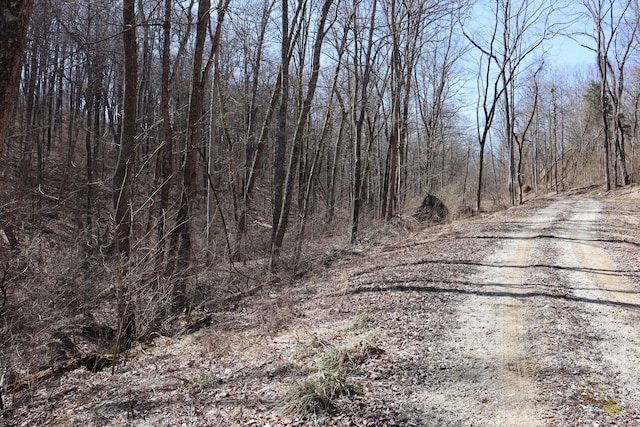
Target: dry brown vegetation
<point>298,349</point>
<point>226,215</point>
<point>60,281</point>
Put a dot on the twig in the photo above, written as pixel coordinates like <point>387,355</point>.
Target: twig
<point>233,297</point>
<point>4,375</point>
<point>94,362</point>
<point>3,290</point>
<point>47,196</point>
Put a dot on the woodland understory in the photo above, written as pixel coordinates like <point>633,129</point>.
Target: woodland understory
<point>165,159</point>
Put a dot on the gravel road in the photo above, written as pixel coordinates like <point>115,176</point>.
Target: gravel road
<point>548,331</point>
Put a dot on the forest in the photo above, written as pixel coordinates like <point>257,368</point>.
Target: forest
<point>166,157</point>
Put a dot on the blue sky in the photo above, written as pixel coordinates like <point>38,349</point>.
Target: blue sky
<point>567,53</point>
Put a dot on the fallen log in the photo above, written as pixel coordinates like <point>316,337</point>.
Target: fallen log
<point>94,362</point>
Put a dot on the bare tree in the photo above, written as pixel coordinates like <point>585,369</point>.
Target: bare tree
<point>434,90</point>
<point>182,231</point>
<point>166,151</point>
<point>614,34</point>
<point>303,118</point>
<point>314,167</point>
<point>363,63</point>
<point>254,146</point>
<point>123,177</point>
<point>281,144</point>
<point>518,30</point>
<point>520,135</point>
<point>623,48</point>
<point>125,168</point>
<point>490,90</point>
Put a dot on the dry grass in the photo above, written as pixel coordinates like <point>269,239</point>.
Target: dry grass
<point>318,392</point>
<point>215,344</point>
<point>332,379</point>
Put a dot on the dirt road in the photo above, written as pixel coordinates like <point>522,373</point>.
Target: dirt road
<point>548,333</point>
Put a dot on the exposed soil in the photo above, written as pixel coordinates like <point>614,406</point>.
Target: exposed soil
<point>527,317</point>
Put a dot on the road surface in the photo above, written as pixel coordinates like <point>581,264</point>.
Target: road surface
<point>548,332</point>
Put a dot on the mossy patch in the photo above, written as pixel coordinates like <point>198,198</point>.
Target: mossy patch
<point>610,406</point>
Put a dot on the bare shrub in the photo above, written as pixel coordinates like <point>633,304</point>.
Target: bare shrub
<point>53,289</point>
<point>277,314</point>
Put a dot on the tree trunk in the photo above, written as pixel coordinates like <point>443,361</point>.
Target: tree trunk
<point>181,240</point>
<point>280,230</point>
<point>254,147</point>
<point>166,151</point>
<point>332,172</point>
<point>189,183</point>
<point>480,171</point>
<point>605,121</point>
<point>256,161</point>
<point>123,176</point>
<point>14,21</point>
<point>363,81</point>
<point>124,170</point>
<point>313,169</point>
<point>281,144</point>
<point>622,157</point>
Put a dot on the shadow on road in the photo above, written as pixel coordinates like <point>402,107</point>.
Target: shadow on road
<point>470,288</point>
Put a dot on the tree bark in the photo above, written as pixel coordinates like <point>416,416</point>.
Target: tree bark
<point>189,182</point>
<point>123,176</point>
<point>310,176</point>
<point>254,148</point>
<point>605,118</point>
<point>281,144</point>
<point>363,81</point>
<point>14,22</point>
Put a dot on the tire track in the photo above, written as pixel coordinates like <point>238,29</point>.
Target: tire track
<point>612,311</point>
<point>496,385</point>
<point>547,332</point>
